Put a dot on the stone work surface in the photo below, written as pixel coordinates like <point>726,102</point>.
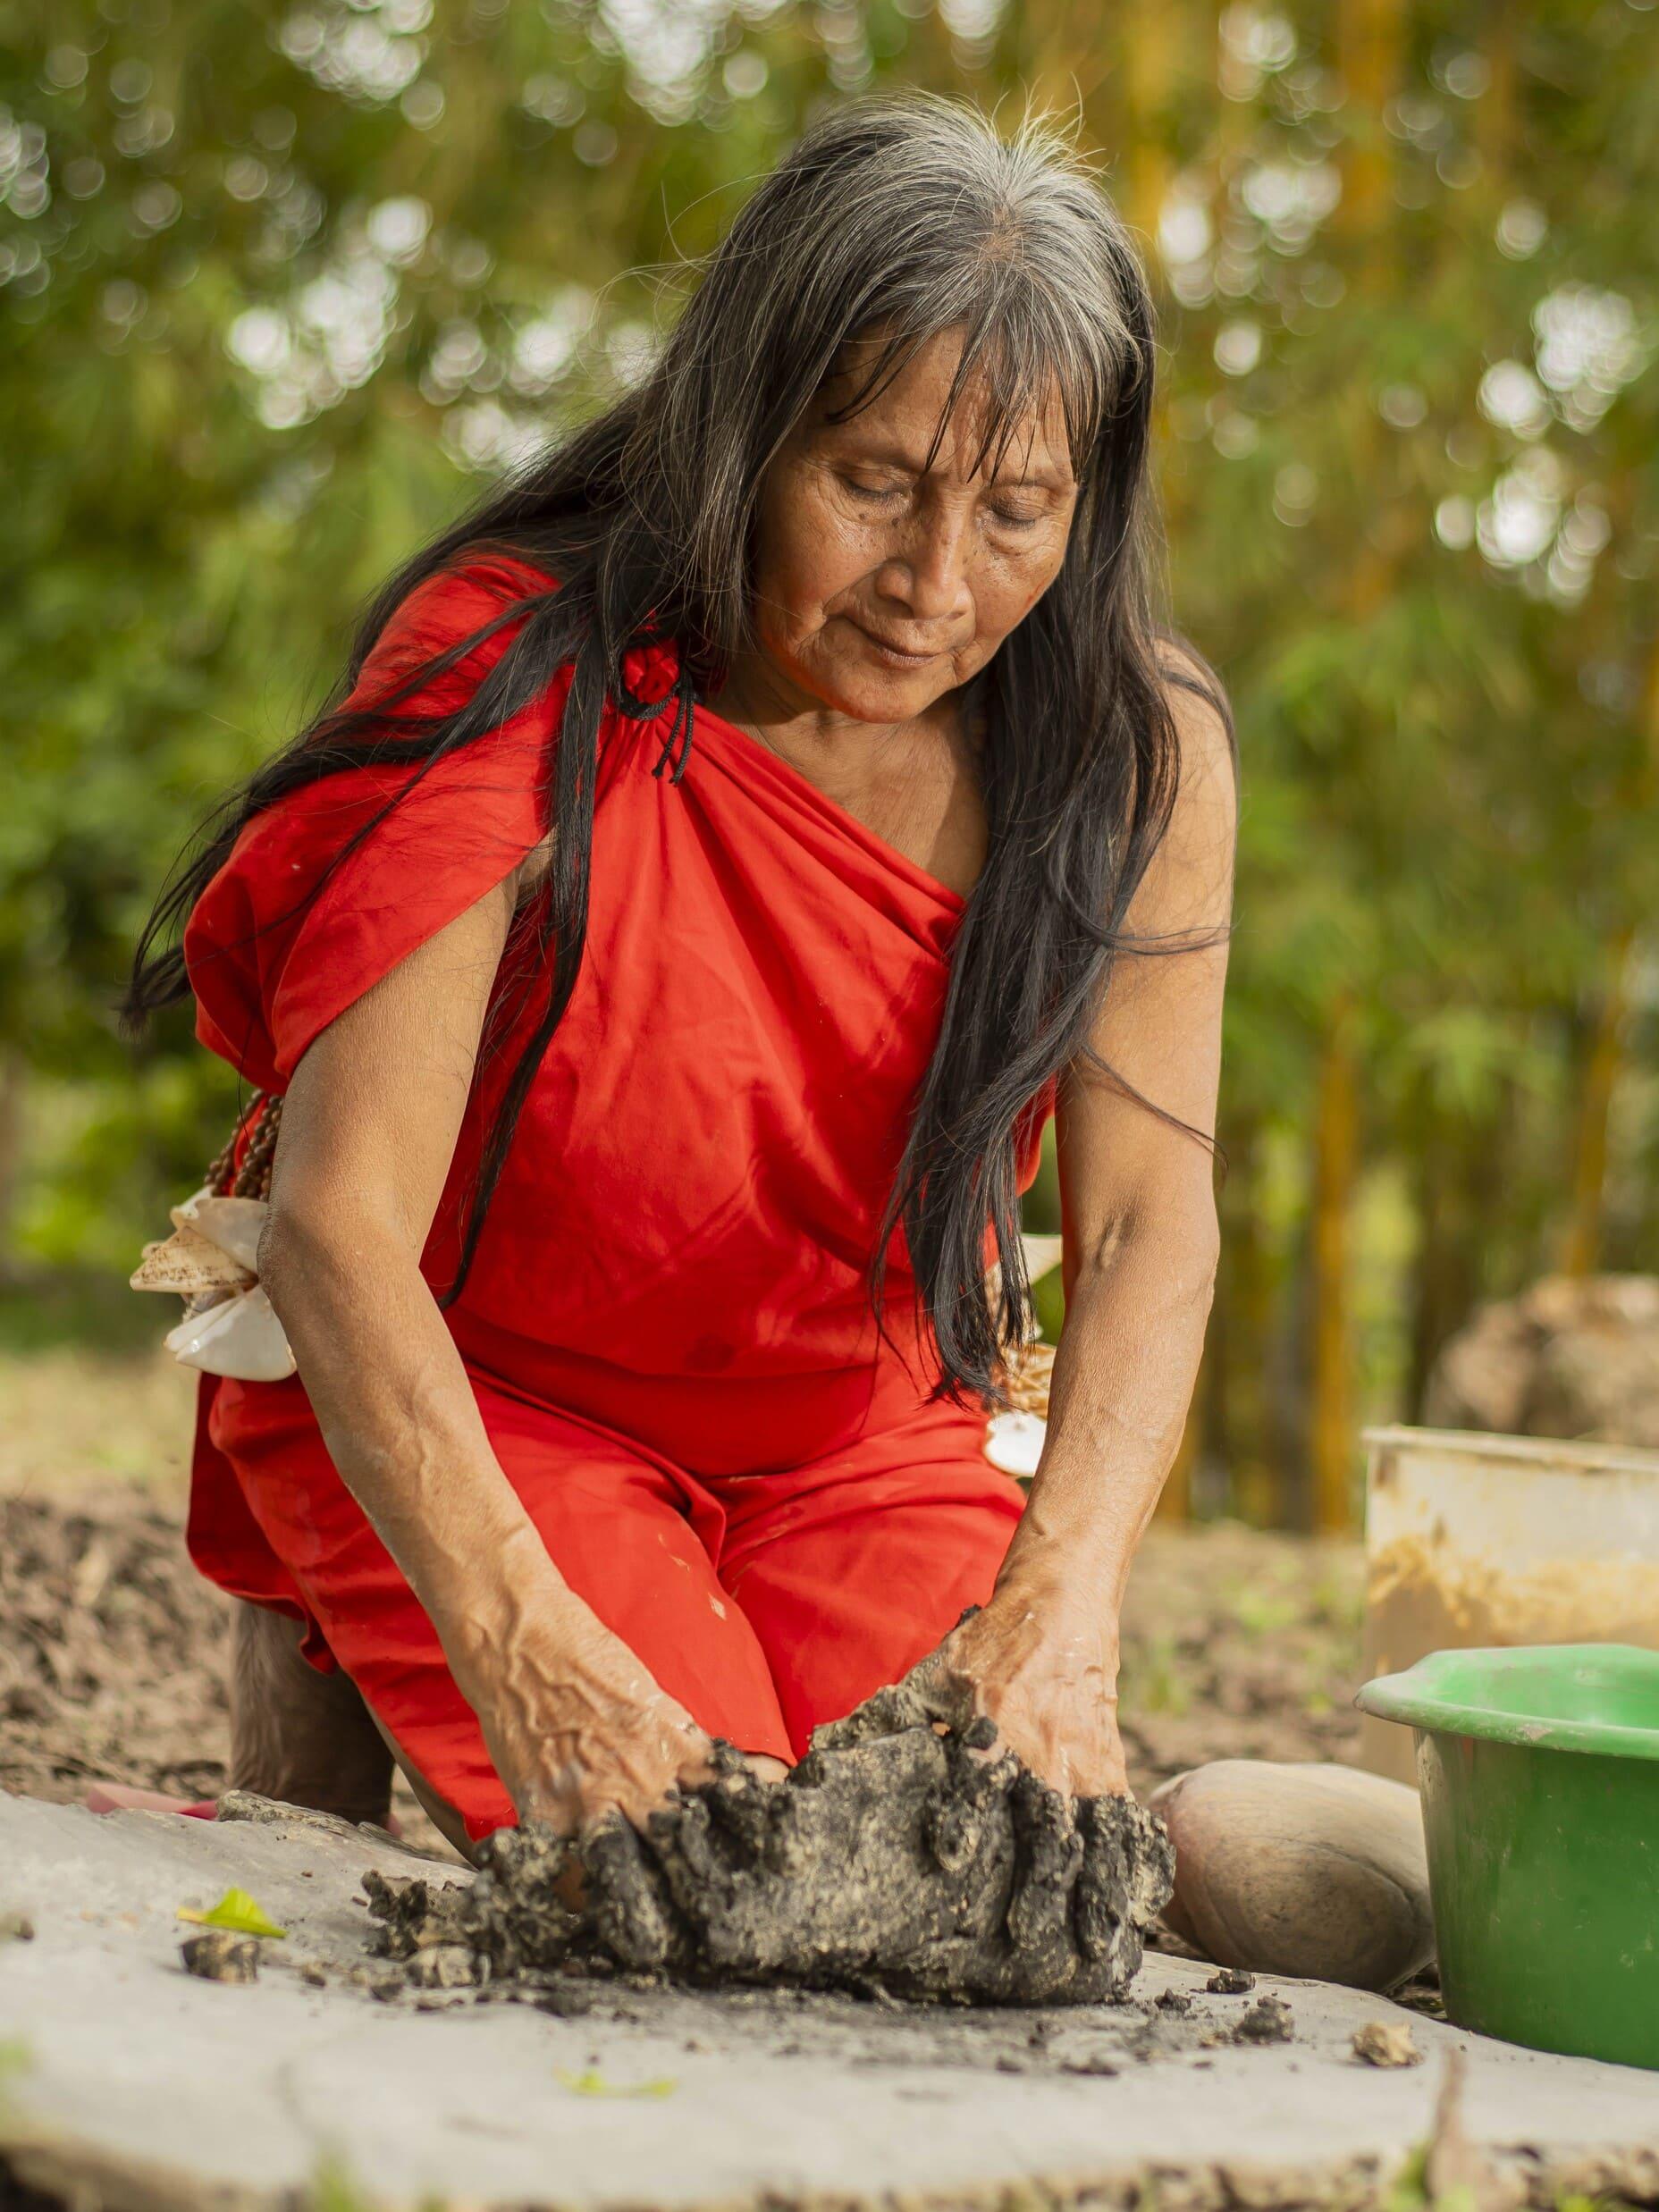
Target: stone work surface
<point>340,2079</point>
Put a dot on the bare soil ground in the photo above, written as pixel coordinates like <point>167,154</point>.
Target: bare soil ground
<point>1237,1644</point>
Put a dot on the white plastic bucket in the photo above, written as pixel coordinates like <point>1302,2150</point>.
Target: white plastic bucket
<point>1474,1540</point>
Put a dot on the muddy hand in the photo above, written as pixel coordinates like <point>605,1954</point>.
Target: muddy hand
<point>578,1729</point>
<point>1043,1670</point>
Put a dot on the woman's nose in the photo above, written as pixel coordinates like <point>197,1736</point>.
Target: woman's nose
<point>929,576</point>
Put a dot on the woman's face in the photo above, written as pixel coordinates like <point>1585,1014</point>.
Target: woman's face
<point>878,588</point>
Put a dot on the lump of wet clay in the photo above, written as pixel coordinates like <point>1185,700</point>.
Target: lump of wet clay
<point>907,1862</point>
<point>219,1955</point>
<point>1317,1872</point>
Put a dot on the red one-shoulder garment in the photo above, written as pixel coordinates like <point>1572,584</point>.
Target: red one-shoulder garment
<point>667,1321</point>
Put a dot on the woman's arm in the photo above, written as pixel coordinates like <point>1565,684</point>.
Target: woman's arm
<point>1139,1218</point>
<point>1138,1213</point>
<point>573,1722</point>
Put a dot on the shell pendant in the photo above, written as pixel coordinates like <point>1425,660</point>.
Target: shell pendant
<point>211,1261</point>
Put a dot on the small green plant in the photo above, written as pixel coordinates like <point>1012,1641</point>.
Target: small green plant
<point>1409,2189</point>
<point>334,2189</point>
<point>1264,1612</point>
<point>1159,1682</point>
<point>1409,2192</point>
<point>591,2082</point>
<point>15,2060</point>
<point>1340,1601</point>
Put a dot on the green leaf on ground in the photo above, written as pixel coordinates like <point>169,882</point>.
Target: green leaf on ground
<point>236,1911</point>
<point>16,2059</point>
<point>591,2082</point>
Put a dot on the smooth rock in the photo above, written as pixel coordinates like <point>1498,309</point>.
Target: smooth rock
<point>1313,1871</point>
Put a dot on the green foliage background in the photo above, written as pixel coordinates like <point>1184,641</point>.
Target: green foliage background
<point>279,283</point>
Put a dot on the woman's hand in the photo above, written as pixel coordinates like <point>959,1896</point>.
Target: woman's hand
<point>575,1724</point>
<point>1043,1667</point>
<point>1038,1661</point>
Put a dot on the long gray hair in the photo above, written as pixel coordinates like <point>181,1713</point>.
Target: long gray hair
<point>898,218</point>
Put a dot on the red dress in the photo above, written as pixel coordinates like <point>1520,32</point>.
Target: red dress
<point>667,1323</point>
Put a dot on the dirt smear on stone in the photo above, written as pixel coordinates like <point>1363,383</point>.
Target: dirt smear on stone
<point>917,1865</point>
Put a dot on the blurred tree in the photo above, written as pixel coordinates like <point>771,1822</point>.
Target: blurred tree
<point>1439,387</point>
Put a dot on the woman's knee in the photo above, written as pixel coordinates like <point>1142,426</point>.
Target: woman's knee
<point>297,1734</point>
<point>449,1821</point>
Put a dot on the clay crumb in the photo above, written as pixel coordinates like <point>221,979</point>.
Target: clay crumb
<point>218,1956</point>
<point>1230,1982</point>
<point>1269,2020</point>
<point>443,1966</point>
<point>16,1928</point>
<point>1177,2001</point>
<point>1386,2043</point>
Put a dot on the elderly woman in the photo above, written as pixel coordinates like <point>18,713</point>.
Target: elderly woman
<point>732,843</point>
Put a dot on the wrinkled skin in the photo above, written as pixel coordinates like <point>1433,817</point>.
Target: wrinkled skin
<point>584,1731</point>
<point>881,588</point>
<point>1045,1678</point>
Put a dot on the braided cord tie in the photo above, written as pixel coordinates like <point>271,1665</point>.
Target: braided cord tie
<point>675,749</point>
<point>252,1179</point>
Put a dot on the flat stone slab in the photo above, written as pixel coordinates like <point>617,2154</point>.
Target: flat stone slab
<point>143,2088</point>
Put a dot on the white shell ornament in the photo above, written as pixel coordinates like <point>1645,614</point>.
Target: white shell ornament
<point>233,1224</point>
<point>241,1336</point>
<point>189,1264</point>
<point>1014,1441</point>
<point>1015,1437</point>
<point>212,1261</point>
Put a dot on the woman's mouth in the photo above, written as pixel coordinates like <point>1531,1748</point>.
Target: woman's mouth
<point>896,656</point>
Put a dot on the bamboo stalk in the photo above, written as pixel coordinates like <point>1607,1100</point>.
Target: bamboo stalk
<point>1370,42</point>
<point>1581,1246</point>
<point>1336,1157</point>
<point>1603,1063</point>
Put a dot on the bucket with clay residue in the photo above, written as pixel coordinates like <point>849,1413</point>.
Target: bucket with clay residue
<point>1475,1540</point>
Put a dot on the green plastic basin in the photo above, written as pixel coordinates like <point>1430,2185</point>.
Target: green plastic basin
<point>1539,1772</point>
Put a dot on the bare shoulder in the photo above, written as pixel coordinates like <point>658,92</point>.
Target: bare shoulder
<point>1189,882</point>
<point>1204,823</point>
<point>1202,714</point>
